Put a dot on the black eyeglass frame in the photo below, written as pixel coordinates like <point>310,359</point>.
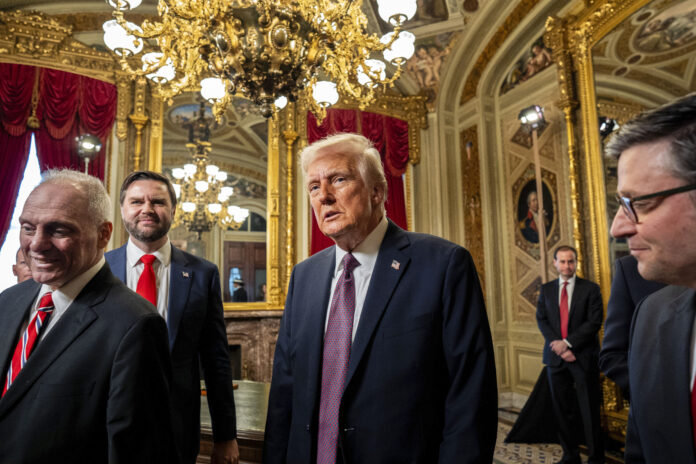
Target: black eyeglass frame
<point>627,203</point>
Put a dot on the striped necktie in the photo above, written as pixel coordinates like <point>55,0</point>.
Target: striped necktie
<point>27,341</point>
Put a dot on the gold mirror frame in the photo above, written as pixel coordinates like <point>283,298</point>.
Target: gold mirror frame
<point>572,40</point>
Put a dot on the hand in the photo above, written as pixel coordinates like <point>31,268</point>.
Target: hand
<point>559,347</point>
<point>225,452</point>
<point>568,356</point>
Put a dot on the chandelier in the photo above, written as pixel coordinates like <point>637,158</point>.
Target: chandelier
<point>203,197</point>
<point>268,51</point>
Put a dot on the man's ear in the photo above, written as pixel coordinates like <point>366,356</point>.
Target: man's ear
<point>377,194</point>
<point>105,230</point>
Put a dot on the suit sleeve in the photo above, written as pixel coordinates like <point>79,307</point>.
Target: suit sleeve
<point>471,403</point>
<point>586,333</point>
<point>634,449</point>
<point>215,360</point>
<point>137,415</point>
<point>613,358</point>
<point>280,398</point>
<point>550,334</point>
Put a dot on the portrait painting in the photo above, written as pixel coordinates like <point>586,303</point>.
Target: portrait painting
<point>529,214</point>
<point>672,28</point>
<point>533,61</point>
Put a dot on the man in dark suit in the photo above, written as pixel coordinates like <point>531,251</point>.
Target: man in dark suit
<point>239,295</point>
<point>85,368</point>
<point>657,193</point>
<point>384,352</point>
<point>569,314</point>
<point>627,289</point>
<point>186,291</point>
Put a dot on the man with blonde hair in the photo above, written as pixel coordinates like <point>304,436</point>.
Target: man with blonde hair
<point>85,366</point>
<point>384,352</point>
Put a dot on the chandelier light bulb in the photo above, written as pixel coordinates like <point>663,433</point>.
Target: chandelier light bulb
<point>221,176</point>
<point>226,192</point>
<point>190,169</point>
<point>325,93</point>
<point>161,75</point>
<point>239,214</point>
<point>178,173</point>
<point>213,88</point>
<point>201,186</point>
<point>124,5</point>
<point>212,170</point>
<point>396,12</point>
<point>214,207</point>
<point>401,49</point>
<point>188,207</point>
<point>376,67</point>
<point>177,190</point>
<point>281,102</point>
<point>119,40</point>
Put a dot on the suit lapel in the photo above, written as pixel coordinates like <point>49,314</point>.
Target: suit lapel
<point>11,323</point>
<point>385,278</point>
<point>674,359</point>
<point>71,324</point>
<point>180,279</point>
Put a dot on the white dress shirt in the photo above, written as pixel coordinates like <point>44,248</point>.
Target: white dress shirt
<point>63,297</point>
<point>161,266</point>
<point>366,254</point>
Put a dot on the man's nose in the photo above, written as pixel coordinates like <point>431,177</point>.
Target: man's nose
<point>621,226</point>
<point>325,194</point>
<point>39,241</point>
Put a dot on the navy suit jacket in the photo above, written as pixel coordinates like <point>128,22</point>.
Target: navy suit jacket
<point>420,386</point>
<point>628,288</point>
<point>584,321</point>
<point>95,388</point>
<point>196,325</point>
<point>659,360</point>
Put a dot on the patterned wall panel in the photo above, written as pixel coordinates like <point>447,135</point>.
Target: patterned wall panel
<point>471,192</point>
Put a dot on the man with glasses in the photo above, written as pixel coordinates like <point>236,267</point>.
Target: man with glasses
<point>656,155</point>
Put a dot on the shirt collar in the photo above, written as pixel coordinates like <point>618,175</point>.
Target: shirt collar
<point>367,250</point>
<point>571,281</point>
<point>63,296</point>
<point>133,253</point>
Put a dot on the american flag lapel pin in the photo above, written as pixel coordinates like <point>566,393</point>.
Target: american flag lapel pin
<point>395,264</point>
<point>185,274</point>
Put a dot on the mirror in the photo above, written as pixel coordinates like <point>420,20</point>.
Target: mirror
<point>239,147</point>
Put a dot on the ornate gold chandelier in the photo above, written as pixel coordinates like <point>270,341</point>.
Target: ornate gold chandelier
<point>269,51</point>
<point>203,197</point>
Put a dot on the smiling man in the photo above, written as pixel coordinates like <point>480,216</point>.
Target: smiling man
<point>186,291</point>
<point>85,368</point>
<point>657,192</point>
<point>384,352</point>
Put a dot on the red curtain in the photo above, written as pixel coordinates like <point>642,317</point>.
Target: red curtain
<point>390,137</point>
<point>16,83</point>
<point>68,105</point>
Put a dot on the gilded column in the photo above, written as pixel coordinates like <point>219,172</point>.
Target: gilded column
<point>290,136</point>
<point>139,120</point>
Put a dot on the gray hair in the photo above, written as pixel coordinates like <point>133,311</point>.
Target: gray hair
<point>674,122</point>
<point>350,145</point>
<point>98,202</point>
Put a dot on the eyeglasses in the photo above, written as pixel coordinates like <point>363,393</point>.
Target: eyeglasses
<point>627,204</point>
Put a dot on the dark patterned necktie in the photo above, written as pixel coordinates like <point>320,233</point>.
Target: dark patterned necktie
<point>337,341</point>
<point>26,343</point>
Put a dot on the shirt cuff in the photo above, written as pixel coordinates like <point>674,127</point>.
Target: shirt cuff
<point>567,343</point>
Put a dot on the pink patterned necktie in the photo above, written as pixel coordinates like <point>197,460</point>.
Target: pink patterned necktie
<point>564,310</point>
<point>26,343</point>
<point>337,341</point>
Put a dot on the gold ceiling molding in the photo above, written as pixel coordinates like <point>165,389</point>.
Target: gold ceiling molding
<point>35,39</point>
<point>88,22</point>
<point>503,32</point>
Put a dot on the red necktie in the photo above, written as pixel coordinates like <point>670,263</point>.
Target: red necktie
<point>564,311</point>
<point>147,284</point>
<point>337,341</point>
<point>26,343</point>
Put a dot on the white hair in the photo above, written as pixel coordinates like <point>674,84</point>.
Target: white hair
<point>98,202</point>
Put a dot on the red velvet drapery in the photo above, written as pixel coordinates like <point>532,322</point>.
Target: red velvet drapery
<point>390,136</point>
<point>68,105</point>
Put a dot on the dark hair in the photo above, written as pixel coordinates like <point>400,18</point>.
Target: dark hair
<point>565,248</point>
<point>675,122</point>
<point>147,175</point>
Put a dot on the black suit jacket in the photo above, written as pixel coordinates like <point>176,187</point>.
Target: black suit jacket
<point>584,321</point>
<point>659,360</point>
<point>197,337</point>
<point>95,389</point>
<point>420,386</point>
<point>628,288</point>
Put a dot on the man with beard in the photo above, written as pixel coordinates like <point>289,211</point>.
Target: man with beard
<point>186,291</point>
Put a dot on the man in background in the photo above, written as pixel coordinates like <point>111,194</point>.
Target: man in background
<point>569,314</point>
<point>85,367</point>
<point>239,294</point>
<point>657,192</point>
<point>21,269</point>
<point>628,288</point>
<point>384,353</point>
<point>186,291</point>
